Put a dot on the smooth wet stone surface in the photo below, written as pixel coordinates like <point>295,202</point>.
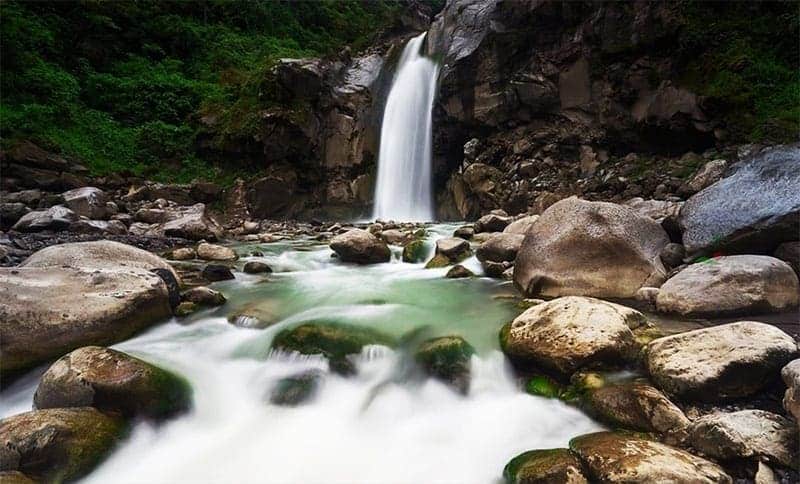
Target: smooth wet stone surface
<point>545,466</point>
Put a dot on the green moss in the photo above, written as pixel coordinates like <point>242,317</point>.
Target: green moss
<point>446,358</point>
<point>332,340</point>
<point>171,393</point>
<point>542,465</point>
<point>437,261</point>
<point>544,387</point>
<point>414,251</point>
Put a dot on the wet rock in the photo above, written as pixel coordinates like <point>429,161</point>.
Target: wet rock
<point>10,213</point>
<point>100,227</point>
<point>789,252</point>
<point>184,253</point>
<point>638,406</point>
<point>496,269</point>
<point>217,272</point>
<point>294,390</point>
<point>414,252</point>
<point>568,333</point>
<point>754,209</point>
<point>446,358</point>
<point>500,247</point>
<point>112,381</point>
<point>193,223</point>
<point>59,444</point>
<point>453,248</point>
<point>15,477</point>
<point>334,341</point>
<point>718,363</point>
<point>709,174</point>
<point>752,434</point>
<point>185,308</point>
<point>466,232</point>
<point>740,284</point>
<point>150,215</point>
<point>647,295</point>
<point>615,457</point>
<point>791,399</point>
<point>54,218</point>
<point>396,237</point>
<point>87,202</point>
<point>590,248</point>
<point>360,247</point>
<point>672,255</point>
<point>204,296</point>
<point>256,267</point>
<point>521,225</point>
<point>437,261</point>
<point>208,251</point>
<point>492,222</point>
<point>458,272</point>
<point>545,466</point>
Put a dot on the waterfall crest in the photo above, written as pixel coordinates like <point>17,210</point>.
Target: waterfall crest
<point>403,190</point>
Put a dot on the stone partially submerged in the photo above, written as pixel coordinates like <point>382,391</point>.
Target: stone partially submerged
<point>586,248</point>
<point>447,358</point>
<point>360,247</point>
<point>545,466</point>
<point>718,363</point>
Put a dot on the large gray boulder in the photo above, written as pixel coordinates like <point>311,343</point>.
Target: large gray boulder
<point>590,249</point>
<point>57,217</point>
<point>753,210</point>
<point>614,457</point>
<point>360,247</point>
<point>110,380</point>
<point>57,444</point>
<point>718,363</point>
<point>193,222</point>
<point>500,247</point>
<point>739,284</point>
<point>755,434</point>
<point>86,202</point>
<point>568,333</point>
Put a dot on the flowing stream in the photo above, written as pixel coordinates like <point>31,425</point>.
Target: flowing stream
<point>403,190</point>
<point>380,426</point>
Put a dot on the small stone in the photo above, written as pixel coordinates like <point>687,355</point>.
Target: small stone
<point>216,272</point>
<point>185,308</point>
<point>208,251</point>
<point>294,390</point>
<point>672,255</point>
<point>256,267</point>
<point>458,271</point>
<point>184,253</point>
<point>204,296</point>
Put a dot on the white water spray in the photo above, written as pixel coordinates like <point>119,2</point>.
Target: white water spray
<point>403,191</point>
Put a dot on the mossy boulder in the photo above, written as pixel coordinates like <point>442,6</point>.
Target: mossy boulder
<point>544,386</point>
<point>296,389</point>
<point>414,251</point>
<point>437,261</point>
<point>58,444</point>
<point>447,358</point>
<point>332,340</point>
<point>545,466</point>
<point>113,381</point>
<point>459,272</point>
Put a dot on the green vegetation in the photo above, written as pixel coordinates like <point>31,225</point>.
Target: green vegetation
<point>122,85</point>
<point>750,64</point>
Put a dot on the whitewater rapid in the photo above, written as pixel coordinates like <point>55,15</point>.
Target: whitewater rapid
<point>403,189</point>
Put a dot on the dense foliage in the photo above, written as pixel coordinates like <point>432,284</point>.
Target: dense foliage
<point>120,85</point>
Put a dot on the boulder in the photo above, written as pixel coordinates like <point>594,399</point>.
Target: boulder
<point>204,296</point>
<point>297,389</point>
<point>150,215</point>
<point>545,466</point>
<point>722,362</point>
<point>638,406</point>
<point>184,253</point>
<point>87,202</point>
<point>48,311</point>
<point>746,434</point>
<point>360,247</point>
<point>672,255</point>
<point>217,272</point>
<point>753,210</point>
<point>437,261</point>
<point>112,381</point>
<point>54,218</point>
<point>458,272</point>
<point>10,213</point>
<point>414,252</point>
<point>193,223</point>
<point>791,399</point>
<point>616,457</point>
<point>500,247</point>
<point>789,252</point>
<point>256,267</point>
<point>58,444</point>
<point>208,251</point>
<point>466,232</point>
<point>453,248</point>
<point>521,225</point>
<point>98,227</point>
<point>492,222</point>
<point>569,333</point>
<point>446,358</point>
<point>396,237</point>
<point>27,197</point>
<point>590,248</point>
<point>29,154</point>
<point>707,175</point>
<point>738,284</point>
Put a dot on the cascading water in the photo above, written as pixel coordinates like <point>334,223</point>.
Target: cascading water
<point>403,191</point>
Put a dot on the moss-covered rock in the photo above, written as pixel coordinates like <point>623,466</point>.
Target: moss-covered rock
<point>544,386</point>
<point>545,466</point>
<point>186,308</point>
<point>459,272</point>
<point>110,380</point>
<point>297,389</point>
<point>437,261</point>
<point>15,477</point>
<point>447,358</point>
<point>58,444</point>
<point>332,340</point>
<point>414,251</point>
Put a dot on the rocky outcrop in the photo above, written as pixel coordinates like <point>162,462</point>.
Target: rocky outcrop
<point>738,360</point>
<point>360,247</point>
<point>741,284</point>
<point>590,248</point>
<point>59,444</point>
<point>109,380</point>
<point>753,210</point>
<point>614,457</point>
<point>569,333</point>
<point>754,434</point>
<point>545,466</point>
<point>446,358</point>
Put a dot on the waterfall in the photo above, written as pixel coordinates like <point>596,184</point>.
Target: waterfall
<point>403,191</point>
